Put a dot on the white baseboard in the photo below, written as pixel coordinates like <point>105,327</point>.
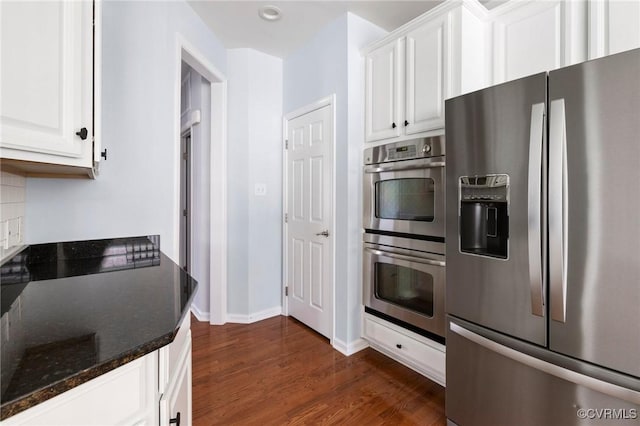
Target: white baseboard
<point>350,348</point>
<point>200,316</point>
<point>255,317</point>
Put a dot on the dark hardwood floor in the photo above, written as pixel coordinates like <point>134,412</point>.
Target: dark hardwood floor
<point>278,371</point>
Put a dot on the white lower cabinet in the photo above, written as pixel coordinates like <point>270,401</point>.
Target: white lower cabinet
<point>133,394</point>
<point>413,350</point>
<point>124,396</point>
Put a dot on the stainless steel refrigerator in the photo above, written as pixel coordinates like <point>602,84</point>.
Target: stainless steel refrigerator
<point>543,248</point>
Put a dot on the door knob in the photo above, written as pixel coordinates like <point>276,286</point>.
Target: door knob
<point>324,233</point>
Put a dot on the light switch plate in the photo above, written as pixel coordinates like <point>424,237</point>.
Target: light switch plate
<point>260,189</point>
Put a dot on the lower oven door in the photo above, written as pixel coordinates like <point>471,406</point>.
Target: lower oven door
<point>405,284</point>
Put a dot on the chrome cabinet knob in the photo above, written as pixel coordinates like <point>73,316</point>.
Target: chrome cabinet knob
<point>324,233</point>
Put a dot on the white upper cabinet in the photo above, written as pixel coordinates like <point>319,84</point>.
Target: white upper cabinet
<point>413,70</point>
<point>383,85</point>
<point>47,85</point>
<point>425,77</point>
<point>535,36</point>
<point>614,26</point>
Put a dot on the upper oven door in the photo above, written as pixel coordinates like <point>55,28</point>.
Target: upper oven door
<point>405,197</point>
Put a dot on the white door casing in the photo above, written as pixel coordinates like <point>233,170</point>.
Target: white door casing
<point>310,212</point>
<point>187,52</point>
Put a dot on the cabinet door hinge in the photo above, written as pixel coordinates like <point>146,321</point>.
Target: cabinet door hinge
<point>286,144</point>
<point>184,155</point>
<point>286,218</point>
<point>286,291</point>
<point>184,212</point>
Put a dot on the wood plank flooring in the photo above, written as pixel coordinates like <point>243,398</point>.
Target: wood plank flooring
<point>278,371</point>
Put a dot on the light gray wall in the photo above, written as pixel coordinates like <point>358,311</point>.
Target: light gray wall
<point>254,157</point>
<point>360,33</point>
<point>331,63</point>
<point>134,194</point>
<point>238,182</point>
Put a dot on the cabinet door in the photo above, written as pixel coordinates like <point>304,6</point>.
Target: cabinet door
<point>426,73</point>
<point>124,396</point>
<point>614,26</point>
<point>532,37</point>
<point>175,403</point>
<point>382,90</point>
<point>46,79</point>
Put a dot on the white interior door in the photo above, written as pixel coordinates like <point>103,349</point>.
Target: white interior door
<point>310,219</point>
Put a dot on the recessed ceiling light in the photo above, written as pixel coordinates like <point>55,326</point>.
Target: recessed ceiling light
<point>270,13</point>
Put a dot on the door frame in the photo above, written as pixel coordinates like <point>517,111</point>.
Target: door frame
<point>320,103</point>
<point>186,133</point>
<point>186,52</point>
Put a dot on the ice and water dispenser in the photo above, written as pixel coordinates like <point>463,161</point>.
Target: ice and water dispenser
<point>484,215</point>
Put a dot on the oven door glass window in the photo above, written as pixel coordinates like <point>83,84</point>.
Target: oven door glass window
<point>406,287</point>
<point>405,199</point>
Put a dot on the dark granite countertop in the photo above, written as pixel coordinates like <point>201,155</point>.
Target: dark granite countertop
<point>73,311</point>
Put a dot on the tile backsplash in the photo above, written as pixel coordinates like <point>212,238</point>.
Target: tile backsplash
<point>12,207</point>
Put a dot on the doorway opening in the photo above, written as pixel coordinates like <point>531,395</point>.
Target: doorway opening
<point>200,178</point>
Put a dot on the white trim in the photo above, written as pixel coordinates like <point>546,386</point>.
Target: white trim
<point>187,52</point>
<point>320,103</point>
<point>598,36</point>
<point>255,317</point>
<point>218,238</point>
<point>189,119</point>
<point>351,348</point>
<point>200,316</point>
<point>97,85</point>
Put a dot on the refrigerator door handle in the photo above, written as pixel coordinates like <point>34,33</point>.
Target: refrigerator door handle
<point>558,211</point>
<point>610,389</point>
<point>534,194</point>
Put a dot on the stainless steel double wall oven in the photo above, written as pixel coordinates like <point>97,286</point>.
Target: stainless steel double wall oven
<point>404,234</point>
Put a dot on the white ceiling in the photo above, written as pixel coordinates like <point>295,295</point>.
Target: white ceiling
<point>237,24</point>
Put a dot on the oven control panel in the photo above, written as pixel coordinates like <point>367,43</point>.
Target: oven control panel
<point>402,152</point>
<point>406,150</point>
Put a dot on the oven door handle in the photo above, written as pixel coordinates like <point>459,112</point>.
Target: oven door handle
<point>378,169</point>
<point>406,258</point>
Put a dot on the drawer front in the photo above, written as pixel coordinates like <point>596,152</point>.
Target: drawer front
<point>417,355</point>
